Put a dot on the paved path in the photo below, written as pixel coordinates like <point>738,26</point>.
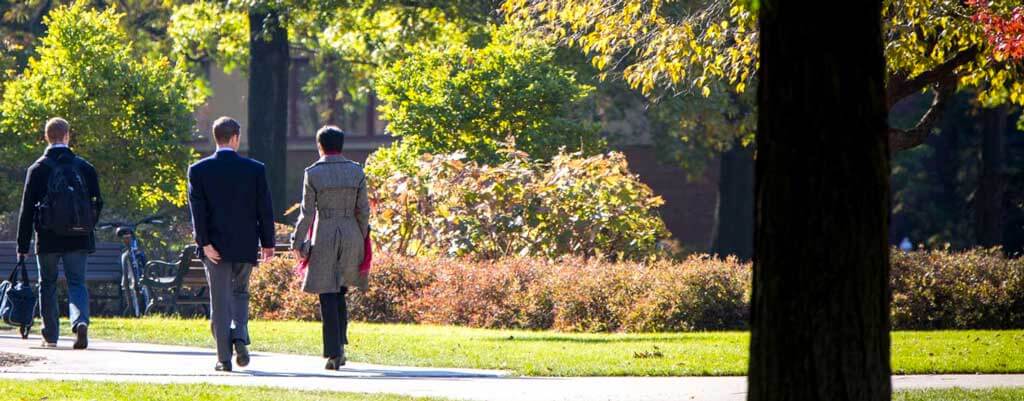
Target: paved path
<point>111,361</point>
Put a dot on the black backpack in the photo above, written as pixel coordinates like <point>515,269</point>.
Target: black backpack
<point>66,209</point>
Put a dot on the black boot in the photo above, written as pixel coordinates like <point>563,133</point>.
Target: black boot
<point>82,337</point>
<point>242,354</point>
<point>336,362</point>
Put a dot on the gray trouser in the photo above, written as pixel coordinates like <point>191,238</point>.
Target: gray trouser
<point>229,304</point>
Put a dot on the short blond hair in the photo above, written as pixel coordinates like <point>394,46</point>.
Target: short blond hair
<point>57,129</point>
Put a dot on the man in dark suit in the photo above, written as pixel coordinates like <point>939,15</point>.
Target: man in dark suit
<point>232,218</point>
<point>52,247</point>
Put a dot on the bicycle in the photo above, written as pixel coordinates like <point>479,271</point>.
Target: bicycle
<point>133,262</point>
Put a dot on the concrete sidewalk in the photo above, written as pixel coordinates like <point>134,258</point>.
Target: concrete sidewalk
<point>111,361</point>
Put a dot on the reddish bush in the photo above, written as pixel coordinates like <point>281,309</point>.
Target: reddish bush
<point>700,294</point>
<point>275,292</point>
<point>974,289</point>
<point>483,294</point>
<point>978,289</point>
<point>395,284</point>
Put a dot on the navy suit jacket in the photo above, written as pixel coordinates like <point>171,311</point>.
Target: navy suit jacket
<point>231,207</point>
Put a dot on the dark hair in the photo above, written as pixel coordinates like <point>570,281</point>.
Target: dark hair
<point>331,138</point>
<point>224,129</point>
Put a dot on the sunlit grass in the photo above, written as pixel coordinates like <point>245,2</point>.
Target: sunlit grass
<point>998,394</point>
<point>536,353</point>
<point>51,390</point>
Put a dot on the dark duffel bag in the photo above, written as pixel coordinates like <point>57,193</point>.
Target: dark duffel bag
<point>18,299</point>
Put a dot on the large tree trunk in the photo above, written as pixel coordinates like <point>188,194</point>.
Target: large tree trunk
<point>268,100</point>
<point>989,199</point>
<point>734,211</point>
<point>36,26</point>
<point>820,307</point>
<point>371,113</point>
<point>332,107</point>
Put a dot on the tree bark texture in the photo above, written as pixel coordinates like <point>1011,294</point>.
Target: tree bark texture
<point>268,100</point>
<point>991,183</point>
<point>734,211</point>
<point>820,307</point>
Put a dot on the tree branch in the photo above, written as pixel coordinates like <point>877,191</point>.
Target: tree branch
<point>900,140</point>
<point>900,86</point>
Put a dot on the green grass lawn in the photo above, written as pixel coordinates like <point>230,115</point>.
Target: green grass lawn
<point>999,394</point>
<point>49,390</point>
<point>572,354</point>
<point>37,390</point>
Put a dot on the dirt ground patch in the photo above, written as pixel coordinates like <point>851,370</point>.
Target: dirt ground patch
<point>8,359</point>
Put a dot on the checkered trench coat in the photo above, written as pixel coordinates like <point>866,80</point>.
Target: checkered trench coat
<point>334,189</point>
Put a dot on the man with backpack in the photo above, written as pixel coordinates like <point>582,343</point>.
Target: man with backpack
<point>60,205</point>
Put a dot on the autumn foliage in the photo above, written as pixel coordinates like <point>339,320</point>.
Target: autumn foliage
<point>1005,32</point>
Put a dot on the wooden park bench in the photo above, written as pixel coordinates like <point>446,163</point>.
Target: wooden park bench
<point>102,275</point>
<point>182,283</point>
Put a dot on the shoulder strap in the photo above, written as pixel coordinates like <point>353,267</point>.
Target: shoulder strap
<point>24,272</point>
<point>48,162</point>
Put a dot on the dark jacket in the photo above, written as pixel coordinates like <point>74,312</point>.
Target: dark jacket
<point>231,206</point>
<point>36,182</point>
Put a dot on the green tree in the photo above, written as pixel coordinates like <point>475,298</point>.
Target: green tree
<point>454,97</point>
<point>708,49</point>
<point>938,45</point>
<point>205,32</point>
<point>348,45</point>
<point>131,117</point>
<point>345,41</point>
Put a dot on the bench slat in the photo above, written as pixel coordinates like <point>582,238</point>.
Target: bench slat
<point>103,266</point>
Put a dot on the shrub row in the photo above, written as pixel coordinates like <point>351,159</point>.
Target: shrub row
<point>931,290</point>
<point>978,289</point>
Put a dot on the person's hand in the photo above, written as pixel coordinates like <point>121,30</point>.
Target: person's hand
<point>297,253</point>
<point>268,253</point>
<point>211,253</point>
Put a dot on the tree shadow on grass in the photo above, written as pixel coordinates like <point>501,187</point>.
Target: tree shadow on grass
<point>175,352</point>
<point>355,373</point>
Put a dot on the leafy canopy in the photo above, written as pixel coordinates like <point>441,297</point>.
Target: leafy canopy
<point>345,42</point>
<point>131,117</point>
<point>205,31</point>
<point>672,46</point>
<point>453,97</point>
